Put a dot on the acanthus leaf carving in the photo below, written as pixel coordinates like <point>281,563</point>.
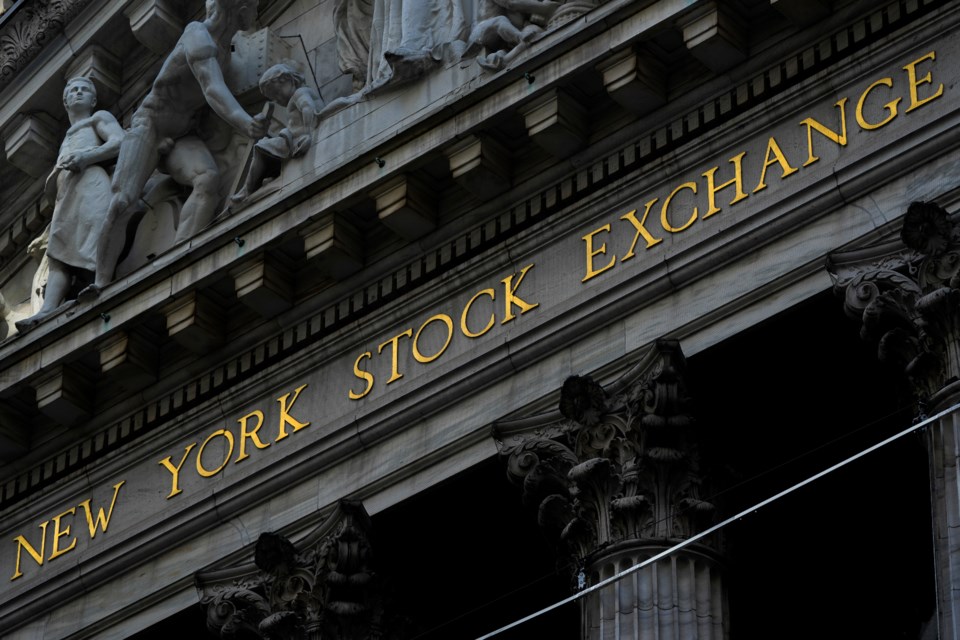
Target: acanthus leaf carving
<point>623,467</point>
<point>906,296</point>
<point>28,31</point>
<point>321,587</point>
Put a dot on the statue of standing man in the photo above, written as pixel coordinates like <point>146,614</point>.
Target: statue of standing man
<point>164,133</point>
<point>82,195</point>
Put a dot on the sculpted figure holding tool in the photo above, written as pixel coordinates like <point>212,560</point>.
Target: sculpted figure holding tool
<point>82,188</point>
<point>164,130</point>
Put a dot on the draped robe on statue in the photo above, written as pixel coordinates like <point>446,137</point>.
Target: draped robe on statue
<point>383,41</point>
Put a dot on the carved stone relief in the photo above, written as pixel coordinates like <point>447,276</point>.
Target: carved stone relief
<point>34,24</point>
<point>905,294</point>
<point>615,479</point>
<point>282,84</point>
<point>505,27</point>
<point>321,587</point>
<point>616,464</point>
<point>169,132</point>
<point>382,42</point>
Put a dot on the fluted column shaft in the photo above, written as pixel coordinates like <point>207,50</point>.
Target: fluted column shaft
<point>943,446</point>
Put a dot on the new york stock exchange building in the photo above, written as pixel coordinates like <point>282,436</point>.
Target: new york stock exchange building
<point>460,319</point>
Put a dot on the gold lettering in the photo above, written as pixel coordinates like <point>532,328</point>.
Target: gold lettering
<point>203,471</point>
<point>692,186</point>
<point>286,418</point>
<point>363,375</point>
<point>891,106</point>
<point>251,434</point>
<point>591,252</point>
<point>511,298</point>
<point>58,533</point>
<point>631,217</point>
<point>712,188</point>
<point>915,82</point>
<point>103,521</point>
<point>778,158</point>
<point>466,310</point>
<point>175,470</point>
<point>394,370</point>
<point>837,138</point>
<point>445,319</point>
<point>23,544</point>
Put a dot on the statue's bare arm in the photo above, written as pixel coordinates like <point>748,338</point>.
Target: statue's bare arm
<point>108,129</point>
<point>201,54</point>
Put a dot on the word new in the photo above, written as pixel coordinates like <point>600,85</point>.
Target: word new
<point>59,544</point>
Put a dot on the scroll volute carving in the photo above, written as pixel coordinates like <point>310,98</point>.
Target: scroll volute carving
<point>615,464</point>
<point>906,295</point>
<point>322,587</point>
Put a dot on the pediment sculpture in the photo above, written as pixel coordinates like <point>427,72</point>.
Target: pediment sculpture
<point>165,133</point>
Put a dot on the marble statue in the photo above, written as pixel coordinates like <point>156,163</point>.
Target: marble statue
<point>164,131</point>
<point>505,27</point>
<point>382,43</point>
<point>83,194</point>
<point>283,84</point>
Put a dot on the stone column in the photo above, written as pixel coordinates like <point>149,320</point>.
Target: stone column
<point>614,476</point>
<point>906,295</point>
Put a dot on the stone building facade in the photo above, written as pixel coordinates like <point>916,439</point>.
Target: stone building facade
<point>470,305</point>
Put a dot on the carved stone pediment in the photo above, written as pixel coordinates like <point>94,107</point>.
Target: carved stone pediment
<point>906,295</point>
<point>321,586</point>
<point>613,464</point>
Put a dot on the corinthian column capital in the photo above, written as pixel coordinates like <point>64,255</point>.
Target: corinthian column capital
<point>614,463</point>
<point>906,295</point>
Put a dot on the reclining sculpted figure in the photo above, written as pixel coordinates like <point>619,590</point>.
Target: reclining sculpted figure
<point>164,131</point>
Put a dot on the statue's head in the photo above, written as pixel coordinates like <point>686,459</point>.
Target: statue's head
<point>277,75</point>
<point>80,91</point>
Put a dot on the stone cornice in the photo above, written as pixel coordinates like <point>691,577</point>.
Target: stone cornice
<point>150,289</point>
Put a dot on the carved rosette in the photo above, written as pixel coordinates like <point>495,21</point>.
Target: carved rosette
<point>906,296</point>
<point>322,587</point>
<point>616,465</point>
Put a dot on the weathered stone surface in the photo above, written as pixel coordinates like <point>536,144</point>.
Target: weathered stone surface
<point>406,206</point>
<point>635,80</point>
<point>556,122</point>
<point>334,246</point>
<point>63,393</point>
<point>195,321</point>
<point>264,285</point>
<point>130,358</point>
<point>155,23</point>
<point>714,37</point>
<point>31,144</point>
<point>480,165</point>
